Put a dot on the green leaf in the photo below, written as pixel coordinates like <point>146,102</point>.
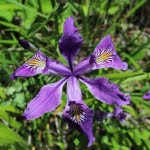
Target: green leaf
<point>2,93</point>
<point>113,9</point>
<point>76,142</point>
<point>9,137</point>
<point>5,116</point>
<point>46,6</point>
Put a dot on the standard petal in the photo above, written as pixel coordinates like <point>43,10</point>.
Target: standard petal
<point>104,56</point>
<point>77,113</point>
<point>105,91</point>
<point>40,63</point>
<point>147,96</point>
<point>70,42</point>
<point>45,101</point>
<point>69,27</point>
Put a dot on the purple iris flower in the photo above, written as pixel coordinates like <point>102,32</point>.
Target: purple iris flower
<point>147,96</point>
<point>76,112</point>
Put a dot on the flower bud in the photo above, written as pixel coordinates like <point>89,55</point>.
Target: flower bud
<point>24,43</point>
<point>27,45</point>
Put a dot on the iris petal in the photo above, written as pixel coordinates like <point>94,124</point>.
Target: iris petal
<point>40,63</point>
<point>76,112</point>
<point>104,56</point>
<point>105,91</point>
<point>34,66</point>
<point>45,101</point>
<point>70,42</point>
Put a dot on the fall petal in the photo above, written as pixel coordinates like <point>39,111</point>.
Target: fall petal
<point>34,66</point>
<point>45,101</point>
<point>105,91</point>
<point>76,112</point>
<point>40,64</point>
<point>104,56</point>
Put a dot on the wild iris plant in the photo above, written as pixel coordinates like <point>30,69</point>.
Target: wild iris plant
<point>76,112</point>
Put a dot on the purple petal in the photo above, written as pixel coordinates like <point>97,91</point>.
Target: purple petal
<point>40,63</point>
<point>105,91</point>
<point>79,116</point>
<point>104,56</point>
<point>77,113</point>
<point>120,114</point>
<point>57,68</point>
<point>69,27</point>
<point>45,101</point>
<point>147,96</point>
<point>70,42</point>
<point>73,90</point>
<point>34,66</point>
<point>83,66</point>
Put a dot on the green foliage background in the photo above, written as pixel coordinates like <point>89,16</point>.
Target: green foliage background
<point>128,22</point>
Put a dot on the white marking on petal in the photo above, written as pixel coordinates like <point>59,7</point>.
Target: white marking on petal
<point>76,113</point>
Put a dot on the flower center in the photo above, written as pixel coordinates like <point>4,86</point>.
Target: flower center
<point>76,112</point>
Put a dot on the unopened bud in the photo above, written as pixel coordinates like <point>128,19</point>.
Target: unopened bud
<point>24,43</point>
<point>27,45</point>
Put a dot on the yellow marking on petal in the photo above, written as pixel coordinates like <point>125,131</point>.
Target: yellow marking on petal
<point>35,62</point>
<point>78,118</point>
<point>76,112</point>
<point>104,56</point>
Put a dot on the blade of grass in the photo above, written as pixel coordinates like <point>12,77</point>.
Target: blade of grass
<point>26,8</point>
<point>137,78</point>
<point>118,76</point>
<point>132,61</point>
<point>45,22</point>
<point>136,7</point>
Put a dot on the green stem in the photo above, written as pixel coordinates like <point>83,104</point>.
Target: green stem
<point>45,22</point>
